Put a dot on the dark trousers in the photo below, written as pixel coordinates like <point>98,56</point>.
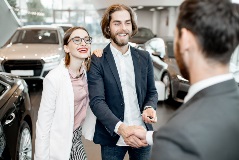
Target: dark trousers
<point>118,152</point>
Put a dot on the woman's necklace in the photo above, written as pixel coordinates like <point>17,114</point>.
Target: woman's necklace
<point>78,75</point>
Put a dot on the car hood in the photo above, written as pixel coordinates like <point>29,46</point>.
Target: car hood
<point>172,66</point>
<point>30,51</point>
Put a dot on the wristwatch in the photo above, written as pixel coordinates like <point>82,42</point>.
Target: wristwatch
<point>146,107</point>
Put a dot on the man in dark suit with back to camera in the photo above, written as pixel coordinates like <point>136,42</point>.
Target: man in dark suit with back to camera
<point>121,88</point>
<point>206,126</point>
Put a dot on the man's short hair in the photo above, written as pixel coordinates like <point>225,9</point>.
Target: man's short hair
<point>105,22</point>
<point>215,24</point>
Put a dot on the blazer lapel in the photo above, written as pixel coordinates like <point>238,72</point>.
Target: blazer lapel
<point>137,70</point>
<point>110,59</point>
<point>219,88</point>
<point>69,89</point>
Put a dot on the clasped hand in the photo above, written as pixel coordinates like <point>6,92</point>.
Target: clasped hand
<point>128,134</point>
<point>135,136</point>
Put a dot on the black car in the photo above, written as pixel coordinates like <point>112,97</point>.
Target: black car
<point>15,117</point>
<point>166,68</point>
<point>142,36</point>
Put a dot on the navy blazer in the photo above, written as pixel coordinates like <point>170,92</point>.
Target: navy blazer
<point>106,96</point>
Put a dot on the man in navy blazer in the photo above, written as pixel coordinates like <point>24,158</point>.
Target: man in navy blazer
<point>121,88</point>
<point>206,126</point>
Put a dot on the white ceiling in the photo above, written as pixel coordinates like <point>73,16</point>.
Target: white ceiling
<point>102,4</point>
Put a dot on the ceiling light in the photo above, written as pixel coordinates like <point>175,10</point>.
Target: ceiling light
<point>140,7</point>
<point>159,8</point>
<point>152,9</point>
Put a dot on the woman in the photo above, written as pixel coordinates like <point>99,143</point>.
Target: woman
<point>64,102</point>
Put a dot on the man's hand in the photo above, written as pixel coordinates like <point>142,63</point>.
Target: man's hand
<point>149,116</point>
<point>128,133</point>
<point>135,142</point>
<point>98,52</point>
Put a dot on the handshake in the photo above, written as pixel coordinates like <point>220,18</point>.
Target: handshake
<point>135,136</point>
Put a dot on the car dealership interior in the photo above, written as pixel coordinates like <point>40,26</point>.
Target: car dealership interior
<point>31,45</point>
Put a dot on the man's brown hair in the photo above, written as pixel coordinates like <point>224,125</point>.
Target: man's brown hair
<point>105,22</point>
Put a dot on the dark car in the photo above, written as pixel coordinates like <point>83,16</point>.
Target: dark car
<point>143,35</point>
<point>166,69</point>
<point>15,117</point>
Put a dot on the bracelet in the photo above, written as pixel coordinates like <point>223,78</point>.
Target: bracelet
<point>146,107</point>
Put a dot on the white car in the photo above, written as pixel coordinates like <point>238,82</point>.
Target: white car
<point>32,51</point>
<point>234,64</point>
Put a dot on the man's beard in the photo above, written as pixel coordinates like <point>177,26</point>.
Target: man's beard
<point>119,42</point>
<point>182,67</point>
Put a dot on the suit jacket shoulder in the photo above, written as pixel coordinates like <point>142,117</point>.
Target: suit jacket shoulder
<point>206,127</point>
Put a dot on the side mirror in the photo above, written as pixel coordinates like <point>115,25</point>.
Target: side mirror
<point>156,47</point>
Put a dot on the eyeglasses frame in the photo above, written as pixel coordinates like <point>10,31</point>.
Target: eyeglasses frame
<point>72,39</point>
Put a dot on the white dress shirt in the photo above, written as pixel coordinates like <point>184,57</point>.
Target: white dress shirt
<point>195,88</point>
<point>125,67</point>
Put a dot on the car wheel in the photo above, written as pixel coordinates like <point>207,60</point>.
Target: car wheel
<point>166,81</point>
<point>24,145</point>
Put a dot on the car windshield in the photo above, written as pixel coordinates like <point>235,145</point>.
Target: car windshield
<point>35,36</point>
<point>170,51</point>
<point>3,88</point>
<point>65,28</point>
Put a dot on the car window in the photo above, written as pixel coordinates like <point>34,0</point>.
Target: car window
<point>65,28</point>
<point>144,32</point>
<point>3,89</point>
<point>35,36</point>
<point>170,52</point>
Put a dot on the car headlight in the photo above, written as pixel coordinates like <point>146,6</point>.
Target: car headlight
<point>1,59</point>
<point>51,58</point>
<point>181,78</point>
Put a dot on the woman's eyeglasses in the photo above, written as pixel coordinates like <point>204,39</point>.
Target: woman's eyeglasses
<point>78,40</point>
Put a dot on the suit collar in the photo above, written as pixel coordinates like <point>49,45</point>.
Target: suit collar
<point>206,83</point>
<point>221,88</point>
<point>115,51</point>
<point>110,59</point>
<point>137,67</point>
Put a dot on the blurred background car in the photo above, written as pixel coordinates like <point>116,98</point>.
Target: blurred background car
<point>167,71</point>
<point>143,35</point>
<point>16,118</point>
<point>234,64</point>
<point>166,68</point>
<point>32,51</point>
<point>156,48</point>
<point>64,26</point>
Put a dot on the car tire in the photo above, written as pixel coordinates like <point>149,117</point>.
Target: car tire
<point>24,144</point>
<point>168,91</point>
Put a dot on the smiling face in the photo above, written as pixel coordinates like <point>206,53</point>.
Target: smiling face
<point>77,47</point>
<point>120,28</point>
